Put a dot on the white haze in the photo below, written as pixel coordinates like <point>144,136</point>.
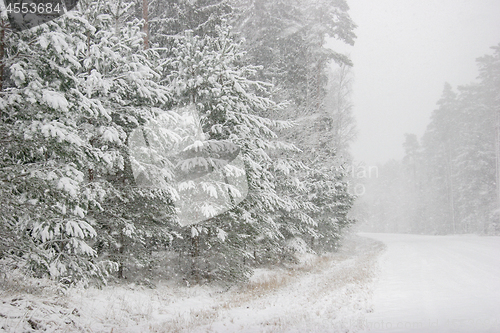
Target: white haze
<point>404,53</point>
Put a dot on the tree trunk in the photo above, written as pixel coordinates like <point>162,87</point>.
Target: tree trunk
<point>195,249</point>
<point>497,158</point>
<point>146,25</point>
<point>450,190</point>
<point>121,252</point>
<point>2,50</point>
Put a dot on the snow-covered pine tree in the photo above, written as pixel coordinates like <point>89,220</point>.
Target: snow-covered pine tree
<point>170,18</point>
<point>461,146</point>
<point>452,183</point>
<point>474,178</point>
<point>328,190</point>
<point>287,39</point>
<point>125,77</point>
<point>45,159</point>
<point>440,151</point>
<point>314,183</point>
<point>210,73</point>
<point>77,86</point>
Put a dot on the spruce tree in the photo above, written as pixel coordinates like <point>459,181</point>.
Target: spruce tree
<point>77,84</point>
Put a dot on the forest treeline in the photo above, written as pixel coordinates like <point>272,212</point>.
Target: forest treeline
<point>74,90</point>
<point>448,181</point>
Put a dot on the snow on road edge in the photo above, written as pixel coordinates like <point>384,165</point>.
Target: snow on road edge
<point>329,293</point>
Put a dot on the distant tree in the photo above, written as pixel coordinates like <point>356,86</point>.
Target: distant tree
<point>439,152</point>
<point>489,74</point>
<point>338,110</point>
<point>412,156</point>
<point>460,150</point>
<point>287,39</point>
<point>327,134</point>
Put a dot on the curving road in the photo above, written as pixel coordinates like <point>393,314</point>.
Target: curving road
<point>436,284</point>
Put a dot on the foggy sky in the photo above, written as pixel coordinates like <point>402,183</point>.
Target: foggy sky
<point>404,53</point>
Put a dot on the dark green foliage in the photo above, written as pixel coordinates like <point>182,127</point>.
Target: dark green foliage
<point>82,85</point>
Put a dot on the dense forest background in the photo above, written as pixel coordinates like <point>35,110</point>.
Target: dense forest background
<point>73,91</point>
<point>447,182</point>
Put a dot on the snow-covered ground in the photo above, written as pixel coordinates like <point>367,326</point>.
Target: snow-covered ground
<point>419,284</point>
<point>437,284</point>
<point>323,294</point>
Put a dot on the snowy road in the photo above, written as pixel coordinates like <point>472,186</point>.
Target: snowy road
<point>436,284</point>
<point>413,284</point>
